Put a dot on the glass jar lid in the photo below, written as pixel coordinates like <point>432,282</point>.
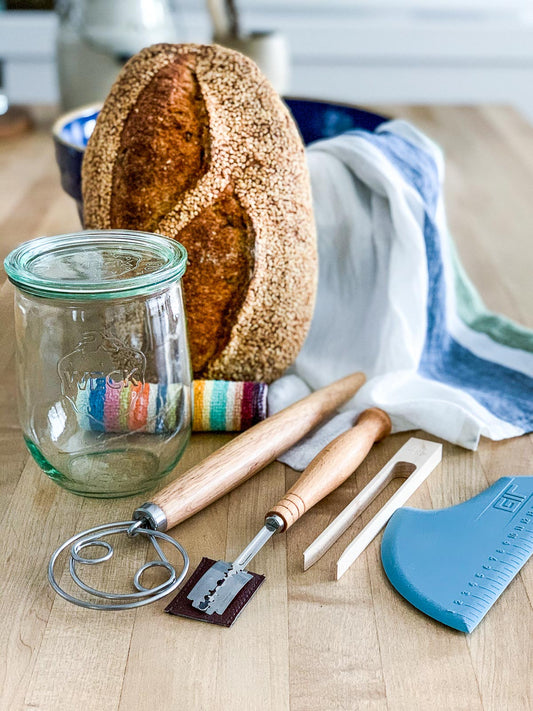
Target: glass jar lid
<point>96,264</point>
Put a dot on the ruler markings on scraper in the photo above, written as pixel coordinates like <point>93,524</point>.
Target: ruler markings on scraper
<point>512,539</point>
<point>454,563</point>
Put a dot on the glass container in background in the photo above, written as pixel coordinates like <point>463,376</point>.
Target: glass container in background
<point>103,369</point>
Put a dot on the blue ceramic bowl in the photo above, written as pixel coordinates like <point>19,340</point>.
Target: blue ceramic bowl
<point>315,119</point>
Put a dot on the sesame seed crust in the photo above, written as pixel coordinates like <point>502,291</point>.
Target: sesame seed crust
<point>259,304</point>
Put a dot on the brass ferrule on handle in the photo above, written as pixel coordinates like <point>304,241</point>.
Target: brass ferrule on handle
<point>245,455</point>
<point>333,465</point>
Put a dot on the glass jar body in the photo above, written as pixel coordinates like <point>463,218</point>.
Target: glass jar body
<point>104,388</point>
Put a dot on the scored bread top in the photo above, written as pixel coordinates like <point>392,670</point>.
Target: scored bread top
<point>194,143</point>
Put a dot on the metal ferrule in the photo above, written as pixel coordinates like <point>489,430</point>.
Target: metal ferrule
<point>153,516</point>
<point>275,523</point>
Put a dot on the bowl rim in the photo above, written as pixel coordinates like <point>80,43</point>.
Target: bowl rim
<point>87,109</point>
<point>79,112</point>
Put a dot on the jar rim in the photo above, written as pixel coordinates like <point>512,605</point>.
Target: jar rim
<point>148,261</point>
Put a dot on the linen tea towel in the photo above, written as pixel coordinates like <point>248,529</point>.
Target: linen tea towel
<point>394,302</point>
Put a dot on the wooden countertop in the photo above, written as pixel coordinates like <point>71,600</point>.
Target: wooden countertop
<point>305,642</point>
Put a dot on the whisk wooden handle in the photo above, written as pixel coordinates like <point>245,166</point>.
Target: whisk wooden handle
<point>333,465</point>
<point>251,451</point>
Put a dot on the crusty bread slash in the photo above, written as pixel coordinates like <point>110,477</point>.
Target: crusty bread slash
<point>193,142</point>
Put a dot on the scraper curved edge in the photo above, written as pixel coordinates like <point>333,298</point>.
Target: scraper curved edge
<point>403,556</point>
<point>454,563</point>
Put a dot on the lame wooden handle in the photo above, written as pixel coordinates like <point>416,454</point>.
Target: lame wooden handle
<point>251,451</point>
<point>333,465</point>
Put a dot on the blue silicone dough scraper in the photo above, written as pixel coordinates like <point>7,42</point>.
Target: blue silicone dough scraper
<point>454,563</point>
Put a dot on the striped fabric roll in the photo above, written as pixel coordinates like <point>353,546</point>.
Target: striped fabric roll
<point>146,407</point>
<point>153,408</point>
<point>225,406</point>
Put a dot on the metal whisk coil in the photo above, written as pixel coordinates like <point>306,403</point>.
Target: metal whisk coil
<point>93,538</point>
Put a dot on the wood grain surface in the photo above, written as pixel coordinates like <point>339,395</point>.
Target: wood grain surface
<point>305,642</point>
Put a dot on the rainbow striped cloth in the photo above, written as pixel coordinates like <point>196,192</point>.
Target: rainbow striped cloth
<point>154,408</point>
<point>223,406</point>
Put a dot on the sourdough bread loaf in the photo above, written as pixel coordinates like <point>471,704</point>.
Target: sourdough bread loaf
<point>193,143</point>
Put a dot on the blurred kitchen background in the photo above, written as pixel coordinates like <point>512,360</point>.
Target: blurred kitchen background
<point>357,51</point>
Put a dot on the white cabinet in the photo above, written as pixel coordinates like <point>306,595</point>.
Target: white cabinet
<point>361,51</point>
<point>27,42</point>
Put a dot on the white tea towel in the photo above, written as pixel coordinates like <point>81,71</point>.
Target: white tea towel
<point>394,302</point>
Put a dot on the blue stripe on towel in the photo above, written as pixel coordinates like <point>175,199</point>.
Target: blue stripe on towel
<point>504,392</point>
<point>415,165</point>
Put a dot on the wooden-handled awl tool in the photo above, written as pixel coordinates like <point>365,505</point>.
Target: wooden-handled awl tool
<point>206,482</point>
<point>217,591</point>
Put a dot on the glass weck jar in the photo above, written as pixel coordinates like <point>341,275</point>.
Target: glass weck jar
<point>103,368</point>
